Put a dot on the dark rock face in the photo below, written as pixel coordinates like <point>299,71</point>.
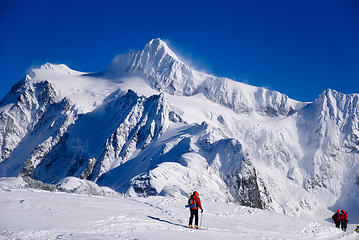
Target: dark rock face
<point>237,171</point>
<point>142,186</point>
<point>244,186</point>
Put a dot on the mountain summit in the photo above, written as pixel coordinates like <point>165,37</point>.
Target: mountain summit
<point>164,72</point>
<point>158,47</point>
<point>154,53</point>
<point>151,125</point>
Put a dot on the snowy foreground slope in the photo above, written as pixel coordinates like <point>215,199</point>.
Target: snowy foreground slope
<point>150,125</point>
<point>42,215</point>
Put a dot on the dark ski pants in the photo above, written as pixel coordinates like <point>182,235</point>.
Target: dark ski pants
<point>194,213</point>
<point>337,224</point>
<point>344,225</point>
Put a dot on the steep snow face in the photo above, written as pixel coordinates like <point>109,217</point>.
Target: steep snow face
<point>32,118</point>
<point>160,67</point>
<point>329,134</point>
<point>121,127</point>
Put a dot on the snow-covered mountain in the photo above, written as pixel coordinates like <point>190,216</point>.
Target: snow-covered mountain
<point>152,125</point>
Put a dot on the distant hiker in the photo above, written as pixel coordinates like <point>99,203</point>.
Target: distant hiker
<point>344,220</point>
<point>336,218</point>
<point>357,229</point>
<point>194,203</point>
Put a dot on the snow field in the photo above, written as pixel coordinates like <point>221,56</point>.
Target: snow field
<point>36,214</point>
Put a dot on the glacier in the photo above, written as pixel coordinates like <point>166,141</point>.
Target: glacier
<point>151,125</point>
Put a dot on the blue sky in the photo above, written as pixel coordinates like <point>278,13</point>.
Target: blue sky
<point>299,48</point>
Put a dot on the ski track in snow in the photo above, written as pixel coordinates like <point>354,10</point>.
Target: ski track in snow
<point>35,214</point>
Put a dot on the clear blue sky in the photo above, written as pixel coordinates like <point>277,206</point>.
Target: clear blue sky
<point>296,47</point>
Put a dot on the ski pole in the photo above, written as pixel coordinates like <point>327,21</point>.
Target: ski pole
<point>200,223</point>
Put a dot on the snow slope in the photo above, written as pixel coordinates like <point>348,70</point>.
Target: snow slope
<point>36,214</point>
<point>150,125</point>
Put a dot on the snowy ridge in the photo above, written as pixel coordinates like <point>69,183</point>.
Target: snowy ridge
<point>343,110</point>
<point>333,122</point>
<point>32,111</point>
<point>158,64</point>
<point>85,93</point>
<point>151,125</point>
<point>165,72</point>
<point>332,140</point>
<point>117,137</point>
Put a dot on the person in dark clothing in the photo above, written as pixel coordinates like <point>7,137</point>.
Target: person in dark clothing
<point>344,220</point>
<point>336,218</point>
<point>195,202</point>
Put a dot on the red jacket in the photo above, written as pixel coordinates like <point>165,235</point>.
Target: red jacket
<point>344,216</point>
<point>196,202</point>
<point>336,217</point>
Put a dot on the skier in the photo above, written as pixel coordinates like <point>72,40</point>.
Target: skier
<point>336,218</point>
<point>357,229</point>
<point>344,220</point>
<point>194,203</point>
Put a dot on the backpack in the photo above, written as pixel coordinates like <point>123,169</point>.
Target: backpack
<point>192,201</point>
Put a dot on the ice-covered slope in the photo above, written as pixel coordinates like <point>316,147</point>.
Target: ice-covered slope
<point>33,118</point>
<point>329,136</point>
<point>152,125</point>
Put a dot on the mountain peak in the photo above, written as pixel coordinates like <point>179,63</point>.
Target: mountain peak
<point>158,46</point>
<point>52,66</point>
<point>157,42</point>
<point>156,56</point>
